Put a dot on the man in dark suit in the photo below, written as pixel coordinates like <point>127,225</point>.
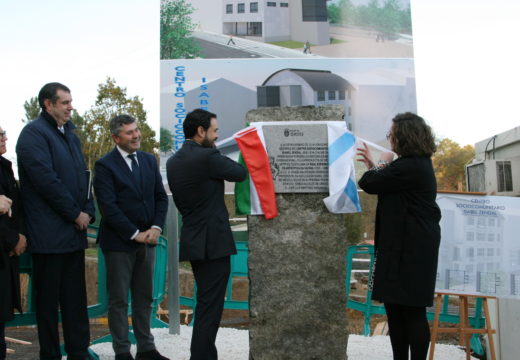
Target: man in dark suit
<point>196,175</point>
<point>57,208</point>
<point>133,206</point>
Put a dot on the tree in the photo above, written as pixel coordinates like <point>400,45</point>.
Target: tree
<point>93,127</point>
<point>448,162</point>
<point>388,17</point>
<point>405,20</point>
<point>368,15</point>
<point>176,28</point>
<point>79,123</point>
<point>165,140</point>
<point>32,109</point>
<point>341,13</point>
<point>334,13</point>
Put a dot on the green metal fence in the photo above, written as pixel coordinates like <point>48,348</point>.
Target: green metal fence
<point>368,308</point>
<point>238,269</point>
<point>29,317</point>
<point>100,308</point>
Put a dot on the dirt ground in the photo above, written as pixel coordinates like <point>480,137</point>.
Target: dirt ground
<point>31,352</point>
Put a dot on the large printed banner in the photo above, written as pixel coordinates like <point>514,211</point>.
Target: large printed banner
<point>372,91</point>
<point>230,57</point>
<point>289,28</point>
<point>480,245</point>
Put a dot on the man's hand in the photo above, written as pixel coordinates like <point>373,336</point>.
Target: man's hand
<point>82,221</point>
<point>141,237</point>
<point>20,247</point>
<point>152,235</point>
<point>5,205</point>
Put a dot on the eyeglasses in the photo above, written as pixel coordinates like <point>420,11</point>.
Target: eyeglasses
<point>388,134</point>
<point>3,134</point>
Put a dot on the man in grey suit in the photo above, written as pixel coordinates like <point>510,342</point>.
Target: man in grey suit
<point>196,175</point>
<point>133,205</point>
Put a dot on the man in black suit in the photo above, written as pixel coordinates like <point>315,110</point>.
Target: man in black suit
<point>133,206</point>
<point>196,175</point>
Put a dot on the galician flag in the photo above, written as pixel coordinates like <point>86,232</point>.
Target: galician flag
<point>343,196</point>
<point>256,196</point>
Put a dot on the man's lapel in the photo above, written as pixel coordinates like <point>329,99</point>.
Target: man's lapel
<point>123,166</point>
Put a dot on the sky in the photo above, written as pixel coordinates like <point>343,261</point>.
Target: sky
<point>467,66</point>
<point>77,43</point>
<point>466,62</point>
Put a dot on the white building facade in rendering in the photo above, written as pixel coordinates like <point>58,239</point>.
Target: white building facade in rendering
<point>298,20</point>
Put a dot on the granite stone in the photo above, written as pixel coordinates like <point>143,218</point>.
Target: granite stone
<point>297,269</point>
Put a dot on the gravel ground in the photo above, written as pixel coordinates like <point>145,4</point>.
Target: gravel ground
<point>232,344</point>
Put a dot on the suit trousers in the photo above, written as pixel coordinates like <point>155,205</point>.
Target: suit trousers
<point>3,345</point>
<point>59,282</point>
<point>132,270</point>
<point>211,277</point>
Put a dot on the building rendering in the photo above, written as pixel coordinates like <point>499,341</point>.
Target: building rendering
<point>229,100</point>
<point>370,98</point>
<point>299,87</point>
<point>298,20</point>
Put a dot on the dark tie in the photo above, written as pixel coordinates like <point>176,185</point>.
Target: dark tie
<point>136,172</point>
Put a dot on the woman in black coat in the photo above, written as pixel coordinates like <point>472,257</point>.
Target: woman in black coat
<point>407,232</point>
<point>12,244</point>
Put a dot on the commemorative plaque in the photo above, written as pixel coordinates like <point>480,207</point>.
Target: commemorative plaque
<point>298,155</point>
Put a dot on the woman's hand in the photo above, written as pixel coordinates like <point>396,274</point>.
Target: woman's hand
<point>365,156</point>
<point>387,157</point>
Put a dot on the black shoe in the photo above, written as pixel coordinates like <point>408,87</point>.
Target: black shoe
<point>124,356</point>
<point>150,355</point>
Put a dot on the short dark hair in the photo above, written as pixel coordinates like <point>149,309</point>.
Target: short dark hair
<point>117,122</point>
<point>49,92</point>
<point>196,118</point>
<point>411,136</point>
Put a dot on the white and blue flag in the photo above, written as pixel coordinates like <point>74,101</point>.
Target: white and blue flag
<point>343,195</point>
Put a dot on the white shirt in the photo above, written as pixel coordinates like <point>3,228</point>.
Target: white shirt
<point>125,156</point>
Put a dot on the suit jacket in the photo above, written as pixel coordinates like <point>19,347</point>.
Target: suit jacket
<point>10,228</point>
<point>54,186</point>
<point>196,177</point>
<point>407,234</point>
<point>126,207</point>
